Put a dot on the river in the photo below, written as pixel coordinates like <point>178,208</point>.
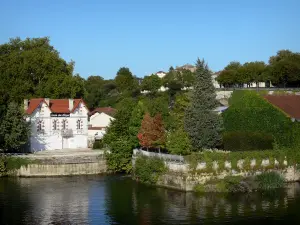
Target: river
<point>119,200</point>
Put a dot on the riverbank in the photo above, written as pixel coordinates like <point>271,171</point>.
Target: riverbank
<point>213,171</point>
<point>65,162</point>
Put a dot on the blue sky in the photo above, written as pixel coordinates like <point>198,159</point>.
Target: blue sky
<point>103,35</point>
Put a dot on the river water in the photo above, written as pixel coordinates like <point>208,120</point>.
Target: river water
<point>119,200</point>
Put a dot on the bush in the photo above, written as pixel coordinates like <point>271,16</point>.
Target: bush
<point>98,144</point>
<point>270,180</point>
<point>149,169</point>
<point>178,142</point>
<point>8,163</point>
<point>245,141</point>
<point>249,112</point>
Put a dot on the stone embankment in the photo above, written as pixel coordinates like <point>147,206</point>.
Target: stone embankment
<point>63,163</point>
<point>180,176</point>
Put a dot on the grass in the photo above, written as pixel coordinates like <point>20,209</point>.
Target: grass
<point>269,180</point>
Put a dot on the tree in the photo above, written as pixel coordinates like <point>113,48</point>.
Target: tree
<point>124,80</point>
<point>159,136</point>
<point>284,69</point>
<point>255,72</point>
<point>188,78</point>
<point>33,68</point>
<point>14,130</point>
<point>118,138</point>
<point>151,83</point>
<point>152,132</point>
<point>231,75</point>
<point>202,124</point>
<point>95,91</point>
<point>135,122</point>
<point>145,133</point>
<point>178,142</point>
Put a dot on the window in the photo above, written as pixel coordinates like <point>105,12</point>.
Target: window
<point>65,124</point>
<point>40,126</point>
<point>79,124</point>
<point>55,124</point>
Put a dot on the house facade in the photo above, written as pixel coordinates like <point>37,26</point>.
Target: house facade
<point>99,120</point>
<point>57,123</point>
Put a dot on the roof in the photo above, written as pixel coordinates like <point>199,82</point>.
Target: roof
<point>160,72</point>
<point>290,104</point>
<point>107,110</point>
<point>55,105</point>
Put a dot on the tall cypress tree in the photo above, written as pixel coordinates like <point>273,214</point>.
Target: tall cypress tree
<point>202,124</point>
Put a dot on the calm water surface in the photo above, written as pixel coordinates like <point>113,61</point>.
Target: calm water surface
<point>119,200</point>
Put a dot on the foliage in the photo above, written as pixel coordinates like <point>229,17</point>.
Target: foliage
<point>270,180</point>
<point>233,157</point>
<point>118,138</point>
<point>152,132</point>
<point>201,123</point>
<point>283,70</point>
<point>14,130</point>
<point>245,141</point>
<point>98,144</point>
<point>178,142</point>
<point>254,114</point>
<point>151,83</point>
<point>33,68</point>
<point>124,80</point>
<point>135,122</point>
<point>9,163</point>
<point>119,158</point>
<point>149,169</point>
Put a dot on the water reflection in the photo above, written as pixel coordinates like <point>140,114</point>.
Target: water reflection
<point>119,200</point>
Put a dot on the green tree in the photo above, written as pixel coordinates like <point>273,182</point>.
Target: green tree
<point>118,138</point>
<point>284,69</point>
<point>202,124</point>
<point>254,72</point>
<point>124,80</point>
<point>151,83</point>
<point>135,122</point>
<point>95,91</point>
<point>14,130</point>
<point>178,142</point>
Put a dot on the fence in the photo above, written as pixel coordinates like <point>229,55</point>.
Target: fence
<point>165,157</point>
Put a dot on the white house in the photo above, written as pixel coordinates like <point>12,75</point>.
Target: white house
<point>161,74</point>
<point>57,123</point>
<point>100,119</point>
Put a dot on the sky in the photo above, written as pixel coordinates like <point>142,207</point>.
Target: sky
<point>147,36</point>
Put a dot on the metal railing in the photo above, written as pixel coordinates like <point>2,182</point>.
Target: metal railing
<point>165,157</point>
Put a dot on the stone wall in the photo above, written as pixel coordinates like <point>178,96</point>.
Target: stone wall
<point>33,170</point>
<point>180,176</point>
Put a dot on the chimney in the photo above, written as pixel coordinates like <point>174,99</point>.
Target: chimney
<point>47,100</point>
<point>26,103</point>
<point>71,104</point>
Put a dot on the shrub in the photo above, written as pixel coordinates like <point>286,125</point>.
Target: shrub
<point>270,180</point>
<point>252,113</point>
<point>149,169</point>
<point>8,163</point>
<point>98,144</point>
<point>244,141</point>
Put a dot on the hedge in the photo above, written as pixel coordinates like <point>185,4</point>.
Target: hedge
<point>250,112</point>
<point>245,141</point>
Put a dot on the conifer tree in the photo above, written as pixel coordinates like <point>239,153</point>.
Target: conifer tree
<point>202,124</point>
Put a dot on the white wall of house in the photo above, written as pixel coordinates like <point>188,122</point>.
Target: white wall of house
<point>51,139</point>
<point>100,120</point>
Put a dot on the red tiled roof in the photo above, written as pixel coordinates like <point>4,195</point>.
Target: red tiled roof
<point>290,104</point>
<point>107,110</point>
<point>55,105</point>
